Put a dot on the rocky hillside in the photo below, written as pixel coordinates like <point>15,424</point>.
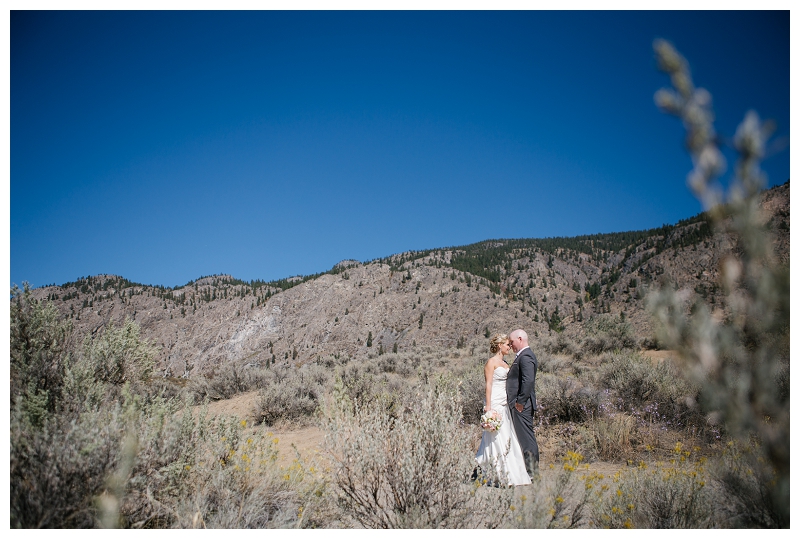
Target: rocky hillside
<point>450,297</point>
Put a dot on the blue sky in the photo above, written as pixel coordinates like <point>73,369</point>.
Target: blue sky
<point>163,146</point>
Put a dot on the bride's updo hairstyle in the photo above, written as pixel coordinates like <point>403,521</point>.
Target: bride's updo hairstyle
<point>497,340</point>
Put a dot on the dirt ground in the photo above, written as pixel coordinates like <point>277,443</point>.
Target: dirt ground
<point>659,355</point>
<point>309,441</point>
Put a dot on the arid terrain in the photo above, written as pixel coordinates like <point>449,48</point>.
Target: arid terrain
<point>309,441</point>
<point>410,299</point>
<point>346,399</point>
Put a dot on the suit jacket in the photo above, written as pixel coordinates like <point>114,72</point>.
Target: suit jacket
<point>522,379</point>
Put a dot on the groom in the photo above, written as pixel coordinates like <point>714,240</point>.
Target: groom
<point>522,398</point>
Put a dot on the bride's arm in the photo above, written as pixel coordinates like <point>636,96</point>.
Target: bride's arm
<point>488,370</point>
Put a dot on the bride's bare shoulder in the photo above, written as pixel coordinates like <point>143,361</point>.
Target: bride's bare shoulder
<point>493,362</point>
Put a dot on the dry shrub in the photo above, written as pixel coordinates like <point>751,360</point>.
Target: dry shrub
<point>566,399</point>
<point>412,470</point>
<point>472,388</point>
<point>672,494</point>
<point>605,333</point>
<point>361,385</point>
<point>562,438</point>
<point>58,469</point>
<point>229,380</point>
<point>559,344</point>
<point>611,436</point>
<point>558,497</point>
<point>291,394</point>
<point>402,363</point>
<point>656,392</point>
<point>105,450</point>
<point>745,477</point>
<point>193,472</point>
<point>239,486</point>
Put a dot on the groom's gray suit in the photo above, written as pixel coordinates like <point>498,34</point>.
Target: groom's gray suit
<point>520,389</point>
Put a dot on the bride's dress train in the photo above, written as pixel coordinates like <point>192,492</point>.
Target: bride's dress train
<point>500,449</point>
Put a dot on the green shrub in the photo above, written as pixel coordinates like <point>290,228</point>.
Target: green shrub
<point>39,344</point>
<point>119,355</point>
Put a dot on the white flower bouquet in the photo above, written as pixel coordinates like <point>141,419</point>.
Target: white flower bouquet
<point>491,421</point>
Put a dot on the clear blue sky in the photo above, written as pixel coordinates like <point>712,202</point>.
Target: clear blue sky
<point>163,146</point>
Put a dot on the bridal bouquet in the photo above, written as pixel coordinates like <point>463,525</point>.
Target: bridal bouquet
<point>491,421</point>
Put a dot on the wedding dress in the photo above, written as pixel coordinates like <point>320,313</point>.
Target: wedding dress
<point>500,449</point>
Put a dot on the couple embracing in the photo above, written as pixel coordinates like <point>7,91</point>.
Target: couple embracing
<point>511,450</point>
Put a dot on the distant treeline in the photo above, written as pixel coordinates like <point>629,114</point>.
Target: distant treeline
<point>489,259</point>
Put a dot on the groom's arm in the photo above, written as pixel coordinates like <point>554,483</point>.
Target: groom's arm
<point>527,379</point>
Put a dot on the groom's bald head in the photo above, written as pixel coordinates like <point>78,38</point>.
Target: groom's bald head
<point>519,339</point>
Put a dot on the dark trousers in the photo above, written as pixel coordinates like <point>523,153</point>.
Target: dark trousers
<point>523,426</point>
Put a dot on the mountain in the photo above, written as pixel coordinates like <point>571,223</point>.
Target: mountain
<point>443,298</point>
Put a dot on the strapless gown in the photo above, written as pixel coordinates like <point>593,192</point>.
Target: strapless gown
<point>500,449</point>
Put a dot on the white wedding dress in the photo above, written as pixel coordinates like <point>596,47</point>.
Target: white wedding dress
<point>500,449</point>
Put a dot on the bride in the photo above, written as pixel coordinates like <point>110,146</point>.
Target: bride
<point>500,449</point>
